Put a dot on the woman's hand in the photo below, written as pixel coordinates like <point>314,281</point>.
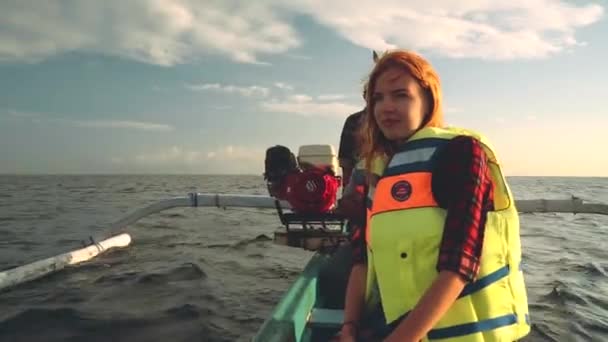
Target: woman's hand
<point>348,333</point>
<point>347,338</point>
<point>352,207</point>
<point>438,298</point>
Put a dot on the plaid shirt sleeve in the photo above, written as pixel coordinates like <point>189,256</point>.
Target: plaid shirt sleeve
<point>357,236</point>
<point>462,185</point>
<point>358,245</point>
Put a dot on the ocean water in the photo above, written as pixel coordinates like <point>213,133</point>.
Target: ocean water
<point>208,274</point>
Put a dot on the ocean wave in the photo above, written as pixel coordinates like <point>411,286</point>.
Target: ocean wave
<point>172,215</point>
<point>29,317</point>
<point>116,278</point>
<point>544,332</point>
<point>592,268</point>
<point>183,244</point>
<point>561,294</point>
<point>187,271</point>
<point>176,324</point>
<point>262,238</point>
<point>187,311</point>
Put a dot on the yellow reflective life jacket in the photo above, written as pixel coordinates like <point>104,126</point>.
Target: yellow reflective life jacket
<point>404,231</point>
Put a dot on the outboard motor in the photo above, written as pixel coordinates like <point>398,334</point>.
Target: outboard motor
<point>279,163</point>
<point>310,188</point>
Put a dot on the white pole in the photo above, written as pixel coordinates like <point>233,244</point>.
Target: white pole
<point>43,267</point>
<point>573,205</point>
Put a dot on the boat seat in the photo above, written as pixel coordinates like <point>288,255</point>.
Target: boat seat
<point>326,318</point>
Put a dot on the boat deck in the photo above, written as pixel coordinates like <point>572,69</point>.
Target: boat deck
<point>312,308</point>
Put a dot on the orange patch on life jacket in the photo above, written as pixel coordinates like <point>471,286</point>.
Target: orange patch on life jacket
<point>401,192</point>
<point>412,190</point>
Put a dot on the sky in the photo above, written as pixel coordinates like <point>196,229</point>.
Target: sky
<point>199,87</point>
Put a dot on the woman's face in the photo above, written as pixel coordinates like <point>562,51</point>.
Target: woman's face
<point>399,104</point>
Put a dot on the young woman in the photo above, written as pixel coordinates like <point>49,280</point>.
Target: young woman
<point>441,257</point>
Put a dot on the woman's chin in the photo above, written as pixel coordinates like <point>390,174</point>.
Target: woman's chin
<point>396,137</point>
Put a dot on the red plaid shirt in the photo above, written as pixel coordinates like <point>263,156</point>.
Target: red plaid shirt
<point>462,185</point>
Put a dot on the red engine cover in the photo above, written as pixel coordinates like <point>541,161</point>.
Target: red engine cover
<point>312,191</point>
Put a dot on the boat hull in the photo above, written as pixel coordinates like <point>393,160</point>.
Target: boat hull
<point>312,308</point>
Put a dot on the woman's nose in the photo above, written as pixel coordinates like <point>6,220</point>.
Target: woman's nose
<point>388,104</point>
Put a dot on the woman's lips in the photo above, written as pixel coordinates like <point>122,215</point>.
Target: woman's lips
<point>389,122</point>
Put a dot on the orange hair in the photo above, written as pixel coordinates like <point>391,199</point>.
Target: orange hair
<point>373,141</point>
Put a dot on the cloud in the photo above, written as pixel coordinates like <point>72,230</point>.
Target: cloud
<point>39,119</point>
<point>169,32</point>
<point>162,32</point>
<point>304,105</point>
<point>331,97</point>
<point>228,159</point>
<point>283,86</point>
<point>251,91</point>
<point>298,57</point>
<point>181,155</point>
<point>137,125</point>
<point>241,153</point>
<point>466,28</point>
<point>17,114</point>
<point>171,154</point>
<point>300,98</point>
